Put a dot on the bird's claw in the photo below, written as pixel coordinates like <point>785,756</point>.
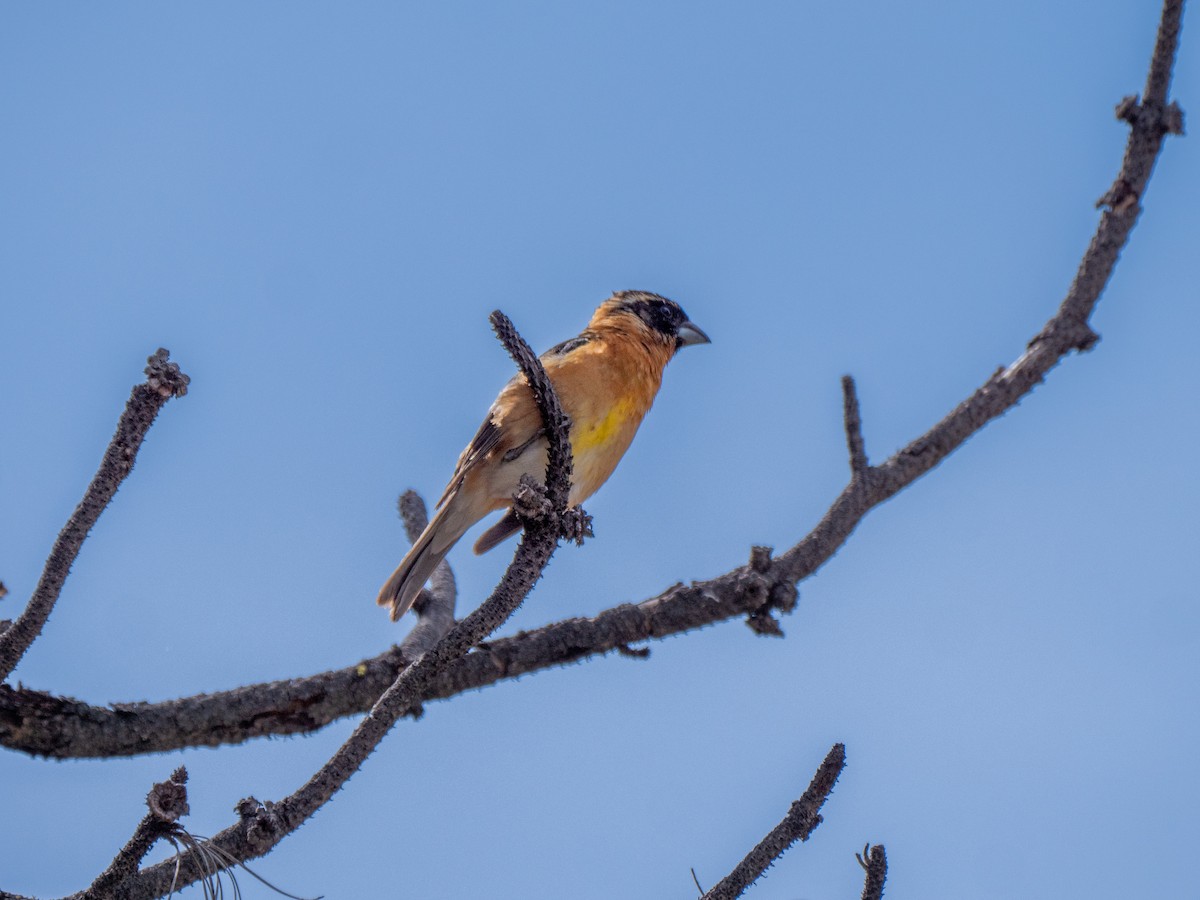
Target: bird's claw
<point>532,504</point>
<point>576,525</point>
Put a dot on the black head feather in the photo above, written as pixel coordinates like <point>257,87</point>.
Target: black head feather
<point>662,315</point>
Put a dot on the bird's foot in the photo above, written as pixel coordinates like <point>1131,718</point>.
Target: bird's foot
<point>576,525</point>
<point>531,504</point>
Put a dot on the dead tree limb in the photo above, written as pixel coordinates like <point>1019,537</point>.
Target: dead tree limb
<point>163,381</point>
<point>801,820</point>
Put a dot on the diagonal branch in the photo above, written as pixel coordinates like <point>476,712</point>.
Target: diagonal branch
<point>801,820</point>
<point>263,825</point>
<point>1066,331</point>
<point>163,381</point>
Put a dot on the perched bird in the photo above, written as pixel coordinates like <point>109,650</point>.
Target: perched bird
<point>606,379</point>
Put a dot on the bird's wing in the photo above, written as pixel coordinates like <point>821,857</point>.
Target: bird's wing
<point>513,421</point>
<point>486,439</point>
<point>567,346</point>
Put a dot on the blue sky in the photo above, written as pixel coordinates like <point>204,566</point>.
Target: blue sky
<point>315,206</point>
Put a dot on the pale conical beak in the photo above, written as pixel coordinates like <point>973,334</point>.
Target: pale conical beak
<point>690,334</point>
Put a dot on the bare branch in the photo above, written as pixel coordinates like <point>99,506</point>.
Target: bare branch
<point>41,724</point>
<point>1158,80</point>
<point>1066,331</point>
<point>801,820</point>
<point>853,422</point>
<point>163,381</point>
<point>874,863</point>
<point>434,606</point>
<point>264,825</point>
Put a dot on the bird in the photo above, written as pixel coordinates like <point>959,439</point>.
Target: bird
<point>606,379</point>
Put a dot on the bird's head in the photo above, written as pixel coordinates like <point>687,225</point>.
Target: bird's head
<point>655,319</point>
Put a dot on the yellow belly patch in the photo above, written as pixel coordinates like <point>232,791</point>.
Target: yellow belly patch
<point>600,432</point>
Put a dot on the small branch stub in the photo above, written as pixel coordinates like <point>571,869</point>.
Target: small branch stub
<point>260,821</point>
<point>852,419</point>
<point>874,862</point>
<point>164,376</point>
<point>168,800</point>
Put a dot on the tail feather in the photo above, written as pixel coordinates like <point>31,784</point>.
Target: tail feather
<point>508,525</point>
<point>401,590</point>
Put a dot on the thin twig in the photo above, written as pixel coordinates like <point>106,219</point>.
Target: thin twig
<point>163,381</point>
<point>803,817</point>
<point>262,826</point>
<point>434,606</point>
<point>874,863</point>
<point>852,419</point>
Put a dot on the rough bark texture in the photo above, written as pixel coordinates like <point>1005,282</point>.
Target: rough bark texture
<point>163,381</point>
<point>874,863</point>
<point>803,817</point>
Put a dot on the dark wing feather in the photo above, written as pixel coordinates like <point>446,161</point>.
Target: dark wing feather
<point>567,346</point>
<point>488,437</point>
<point>484,442</point>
